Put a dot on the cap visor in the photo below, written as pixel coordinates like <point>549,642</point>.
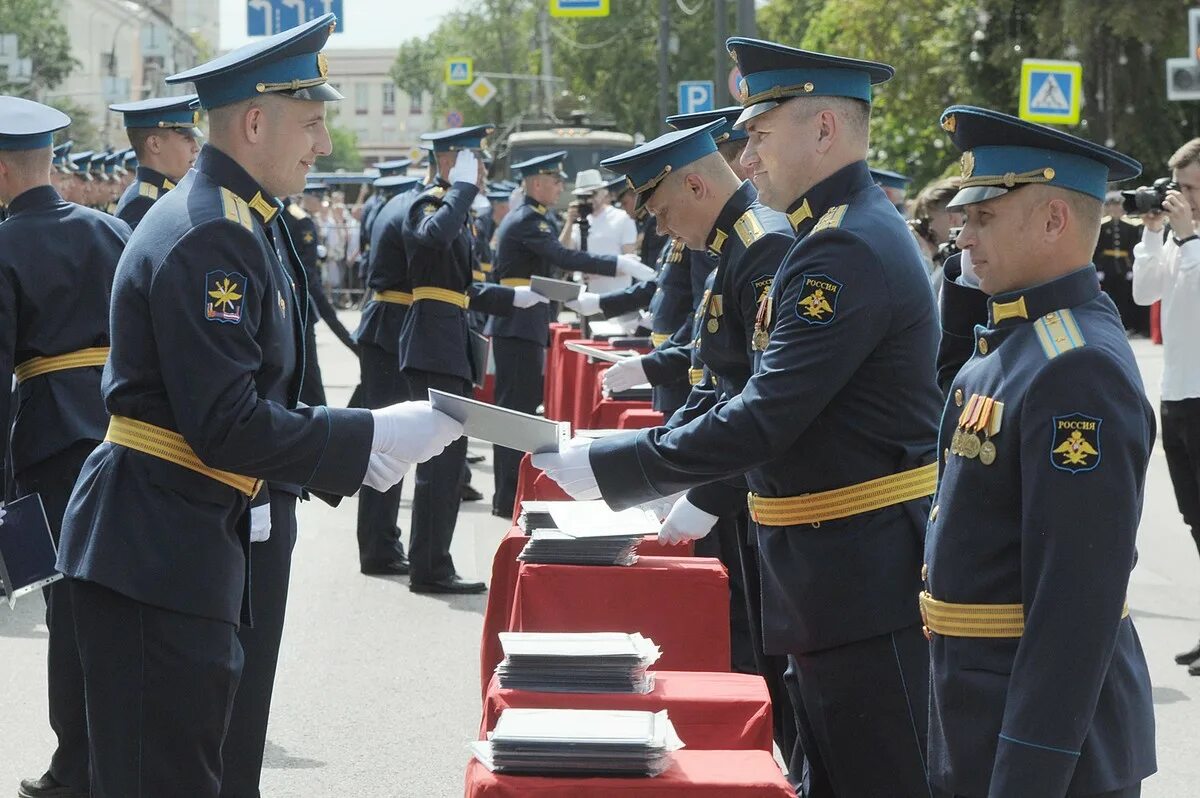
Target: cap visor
<point>753,111</point>
<point>321,93</point>
<point>974,194</point>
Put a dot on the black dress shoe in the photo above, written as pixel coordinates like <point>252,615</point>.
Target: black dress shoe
<point>1188,657</point>
<point>396,567</point>
<point>453,584</point>
<point>472,459</point>
<point>48,787</point>
<point>469,494</point>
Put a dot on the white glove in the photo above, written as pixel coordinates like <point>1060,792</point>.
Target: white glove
<point>623,375</point>
<point>260,523</point>
<point>413,432</point>
<point>526,297</point>
<point>588,304</point>
<point>685,522</point>
<point>2,513</point>
<point>968,276</point>
<point>571,469</point>
<point>384,471</point>
<point>465,169</point>
<point>480,204</point>
<point>631,266</point>
<point>661,507</point>
<point>321,251</point>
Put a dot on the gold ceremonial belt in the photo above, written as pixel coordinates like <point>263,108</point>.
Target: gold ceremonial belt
<point>81,358</point>
<point>171,446</point>
<point>695,376</point>
<point>516,282</point>
<point>456,298</point>
<point>478,276</point>
<point>395,297</point>
<point>975,620</point>
<point>658,339</point>
<point>1115,253</point>
<point>875,494</point>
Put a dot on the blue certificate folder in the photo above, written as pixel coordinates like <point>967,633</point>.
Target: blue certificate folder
<point>27,551</point>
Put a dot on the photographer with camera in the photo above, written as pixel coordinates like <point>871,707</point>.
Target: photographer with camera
<point>1165,267</point>
<point>595,225</point>
<point>932,223</point>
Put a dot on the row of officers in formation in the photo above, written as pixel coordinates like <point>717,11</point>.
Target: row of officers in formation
<point>930,569</point>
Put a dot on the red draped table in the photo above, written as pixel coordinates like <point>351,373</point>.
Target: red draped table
<point>560,362</point>
<point>709,710</point>
<point>693,774</point>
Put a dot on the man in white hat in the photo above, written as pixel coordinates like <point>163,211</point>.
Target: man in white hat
<point>610,231</point>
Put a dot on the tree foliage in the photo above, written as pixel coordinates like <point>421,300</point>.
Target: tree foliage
<point>41,37</point>
<point>345,153</point>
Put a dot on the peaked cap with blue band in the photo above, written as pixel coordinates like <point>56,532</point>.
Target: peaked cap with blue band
<point>889,179</point>
<point>26,125</point>
<point>80,162</point>
<point>395,182</point>
<point>458,138</point>
<point>161,112</point>
<point>722,134</point>
<point>289,63</point>
<point>62,157</point>
<point>773,73</point>
<point>396,167</point>
<point>1001,152</point>
<point>551,164</point>
<point>648,165</point>
<point>315,188</point>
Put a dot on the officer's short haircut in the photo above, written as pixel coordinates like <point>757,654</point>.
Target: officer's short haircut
<point>1186,155</point>
<point>855,113</point>
<point>731,151</point>
<point>28,164</point>
<point>138,136</point>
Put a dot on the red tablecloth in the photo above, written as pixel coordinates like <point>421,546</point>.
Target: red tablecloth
<point>586,388</point>
<point>639,418</point>
<point>504,585</point>
<point>709,710</point>
<point>607,413</point>
<point>694,774</point>
<point>681,603</point>
<point>533,483</point>
<point>557,383</point>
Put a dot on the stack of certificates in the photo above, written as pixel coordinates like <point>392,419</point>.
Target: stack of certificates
<point>582,533</point>
<point>579,742</point>
<point>577,662</point>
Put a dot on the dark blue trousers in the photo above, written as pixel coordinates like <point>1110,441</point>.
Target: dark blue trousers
<point>270,571</point>
<point>519,377</point>
<point>437,492</point>
<point>160,688</point>
<point>53,479</point>
<point>383,385</point>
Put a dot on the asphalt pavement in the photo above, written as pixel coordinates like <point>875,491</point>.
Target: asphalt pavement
<point>378,688</point>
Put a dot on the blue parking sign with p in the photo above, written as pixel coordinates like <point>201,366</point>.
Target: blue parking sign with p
<point>695,96</point>
<point>268,17</point>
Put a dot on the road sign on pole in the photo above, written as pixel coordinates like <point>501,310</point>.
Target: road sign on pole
<point>579,8</point>
<point>1183,79</point>
<point>268,17</point>
<point>454,119</point>
<point>482,91</point>
<point>1050,91</point>
<point>695,96</point>
<point>459,71</point>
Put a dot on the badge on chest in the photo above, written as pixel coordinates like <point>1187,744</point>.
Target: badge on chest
<point>978,423</point>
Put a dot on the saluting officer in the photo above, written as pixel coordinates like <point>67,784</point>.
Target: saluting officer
<point>57,261</point>
<point>1039,684</point>
<point>202,385</point>
<point>436,342</point>
<point>380,550</point>
<point>836,429</point>
<point>163,132</point>
<point>380,196</point>
<point>527,244</point>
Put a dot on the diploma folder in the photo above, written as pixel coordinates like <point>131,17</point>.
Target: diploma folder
<point>27,551</point>
<point>555,290</point>
<point>501,426</point>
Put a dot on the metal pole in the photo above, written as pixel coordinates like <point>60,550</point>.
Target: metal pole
<point>721,62</point>
<point>746,24</point>
<point>547,66</point>
<point>664,66</point>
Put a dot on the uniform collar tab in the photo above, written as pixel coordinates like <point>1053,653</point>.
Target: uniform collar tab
<point>1030,304</point>
<point>537,206</point>
<point>147,175</point>
<point>229,174</point>
<point>734,207</point>
<point>833,190</point>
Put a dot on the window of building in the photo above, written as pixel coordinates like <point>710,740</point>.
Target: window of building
<point>414,103</point>
<point>389,98</point>
<point>362,98</point>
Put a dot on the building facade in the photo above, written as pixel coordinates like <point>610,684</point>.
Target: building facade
<point>387,122</point>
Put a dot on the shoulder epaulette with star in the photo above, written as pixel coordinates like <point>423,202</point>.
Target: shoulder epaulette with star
<point>1058,332</point>
<point>831,219</point>
<point>147,190</point>
<point>297,212</point>
<point>750,229</point>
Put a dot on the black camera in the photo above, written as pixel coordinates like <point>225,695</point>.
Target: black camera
<point>948,247</point>
<point>1147,199</point>
<point>583,207</point>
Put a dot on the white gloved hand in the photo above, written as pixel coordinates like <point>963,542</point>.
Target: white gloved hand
<point>526,297</point>
<point>384,471</point>
<point>685,522</point>
<point>571,469</point>
<point>661,507</point>
<point>260,523</point>
<point>465,169</point>
<point>623,375</point>
<point>413,432</point>
<point>629,265</point>
<point>321,252</point>
<point>588,304</point>
<point>2,512</point>
<point>968,276</point>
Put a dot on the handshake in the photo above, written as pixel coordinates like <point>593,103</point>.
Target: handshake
<point>406,433</point>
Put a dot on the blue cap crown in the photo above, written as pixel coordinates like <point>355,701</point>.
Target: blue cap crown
<point>395,182</point>
<point>26,125</point>
<point>458,138</point>
<point>722,134</point>
<point>649,164</point>
<point>161,112</point>
<point>288,63</point>
<point>396,167</point>
<point>1001,152</point>
<point>889,179</point>
<point>551,164</point>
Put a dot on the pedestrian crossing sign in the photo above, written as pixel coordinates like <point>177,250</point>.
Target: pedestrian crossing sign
<point>459,71</point>
<point>1050,91</point>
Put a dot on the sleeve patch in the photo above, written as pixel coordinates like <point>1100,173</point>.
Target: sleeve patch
<point>224,296</point>
<point>1075,445</point>
<point>818,298</point>
<point>544,227</point>
<point>762,287</point>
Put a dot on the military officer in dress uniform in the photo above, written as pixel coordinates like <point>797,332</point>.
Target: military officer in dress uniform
<point>436,341</point>
<point>79,168</point>
<point>527,244</point>
<point>201,386</point>
<point>381,194</point>
<point>61,171</point>
<point>1114,263</point>
<point>164,135</point>
<point>894,184</point>
<point>1039,684</point>
<point>57,261</point>
<point>835,430</point>
<point>380,550</point>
